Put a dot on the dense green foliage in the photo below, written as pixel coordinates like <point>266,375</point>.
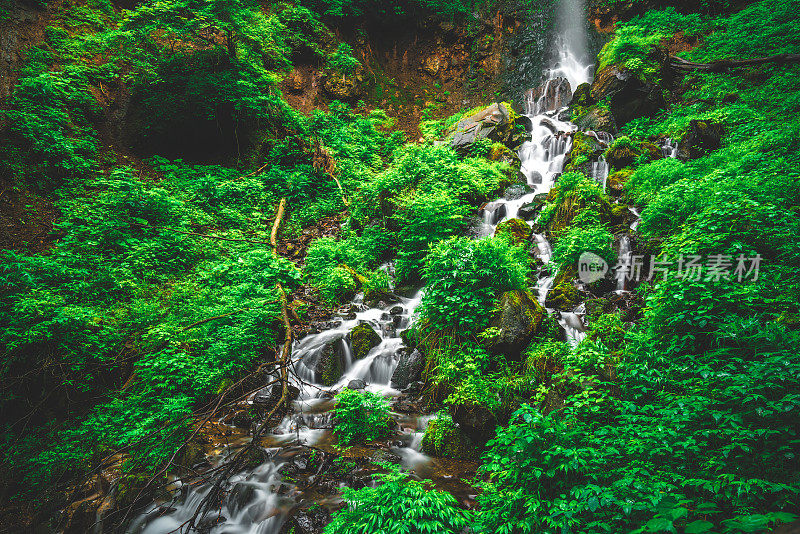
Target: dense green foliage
<point>360,416</point>
<point>699,437</point>
<point>398,505</point>
<point>465,277</point>
<point>678,410</point>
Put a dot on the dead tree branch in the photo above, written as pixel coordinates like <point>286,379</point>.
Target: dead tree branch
<point>724,65</point>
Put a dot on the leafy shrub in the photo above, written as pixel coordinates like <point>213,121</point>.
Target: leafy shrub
<point>645,183</point>
<point>578,239</point>
<point>360,416</point>
<point>343,60</point>
<point>464,278</point>
<point>399,504</point>
<point>425,219</point>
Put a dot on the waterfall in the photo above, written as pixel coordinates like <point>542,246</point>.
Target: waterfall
<point>259,500</point>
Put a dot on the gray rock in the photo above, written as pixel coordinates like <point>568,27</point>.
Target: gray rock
<point>356,384</point>
<point>479,126</point>
<point>409,369</point>
<point>552,95</point>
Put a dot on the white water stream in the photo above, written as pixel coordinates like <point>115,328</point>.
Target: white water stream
<point>254,503</point>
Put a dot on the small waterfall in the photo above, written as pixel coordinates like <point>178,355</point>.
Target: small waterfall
<point>254,505</point>
<point>251,506</point>
<point>669,148</point>
<point>599,171</point>
<point>625,258</point>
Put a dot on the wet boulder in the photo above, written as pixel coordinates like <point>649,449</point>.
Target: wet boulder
<point>629,97</point>
<point>703,137</point>
<point>356,384</point>
<point>596,118</point>
<point>495,211</point>
<point>585,149</point>
<point>550,96</point>
<point>529,211</point>
<point>409,369</point>
<point>363,338</point>
<point>328,365</point>
<point>516,191</point>
<point>475,420</point>
<point>446,440</point>
<point>563,297</point>
<point>518,320</point>
<point>516,230</point>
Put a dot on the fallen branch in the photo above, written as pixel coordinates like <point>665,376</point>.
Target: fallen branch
<point>273,236</point>
<point>323,161</point>
<point>727,64</point>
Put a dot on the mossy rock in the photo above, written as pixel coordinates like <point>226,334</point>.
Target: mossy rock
<point>519,319</point>
<point>344,87</point>
<point>363,338</point>
<point>566,275</point>
<point>563,297</point>
<point>584,149</point>
<point>444,439</point>
<point>595,118</point>
<point>516,229</point>
<point>616,181</point>
<point>328,367</point>
<point>624,152</point>
<point>571,205</point>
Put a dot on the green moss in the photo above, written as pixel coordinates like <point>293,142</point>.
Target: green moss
<point>515,229</point>
<point>363,339</point>
<point>584,149</point>
<point>444,439</point>
<point>563,296</point>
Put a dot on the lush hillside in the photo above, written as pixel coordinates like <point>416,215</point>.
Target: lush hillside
<point>195,187</point>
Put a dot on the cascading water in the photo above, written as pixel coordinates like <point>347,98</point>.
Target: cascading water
<point>254,503</point>
<point>258,501</point>
<point>543,155</point>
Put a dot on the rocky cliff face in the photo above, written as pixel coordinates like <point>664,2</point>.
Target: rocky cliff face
<point>430,69</point>
<point>21,27</point>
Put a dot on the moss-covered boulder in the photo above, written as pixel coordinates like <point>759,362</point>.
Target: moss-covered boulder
<point>616,181</point>
<point>596,118</point>
<point>623,152</point>
<point>570,205</point>
<point>628,96</point>
<point>518,319</point>
<point>475,420</point>
<point>585,149</point>
<point>563,297</point>
<point>702,137</point>
<point>444,439</point>
<point>516,229</point>
<point>327,364</point>
<point>363,338</point>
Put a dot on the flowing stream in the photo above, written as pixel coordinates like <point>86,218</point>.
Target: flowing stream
<point>543,157</point>
<point>259,501</point>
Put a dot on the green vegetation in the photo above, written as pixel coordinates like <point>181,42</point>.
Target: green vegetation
<point>399,504</point>
<point>360,416</point>
<point>163,139</point>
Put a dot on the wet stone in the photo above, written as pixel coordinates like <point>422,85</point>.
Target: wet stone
<point>356,384</point>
